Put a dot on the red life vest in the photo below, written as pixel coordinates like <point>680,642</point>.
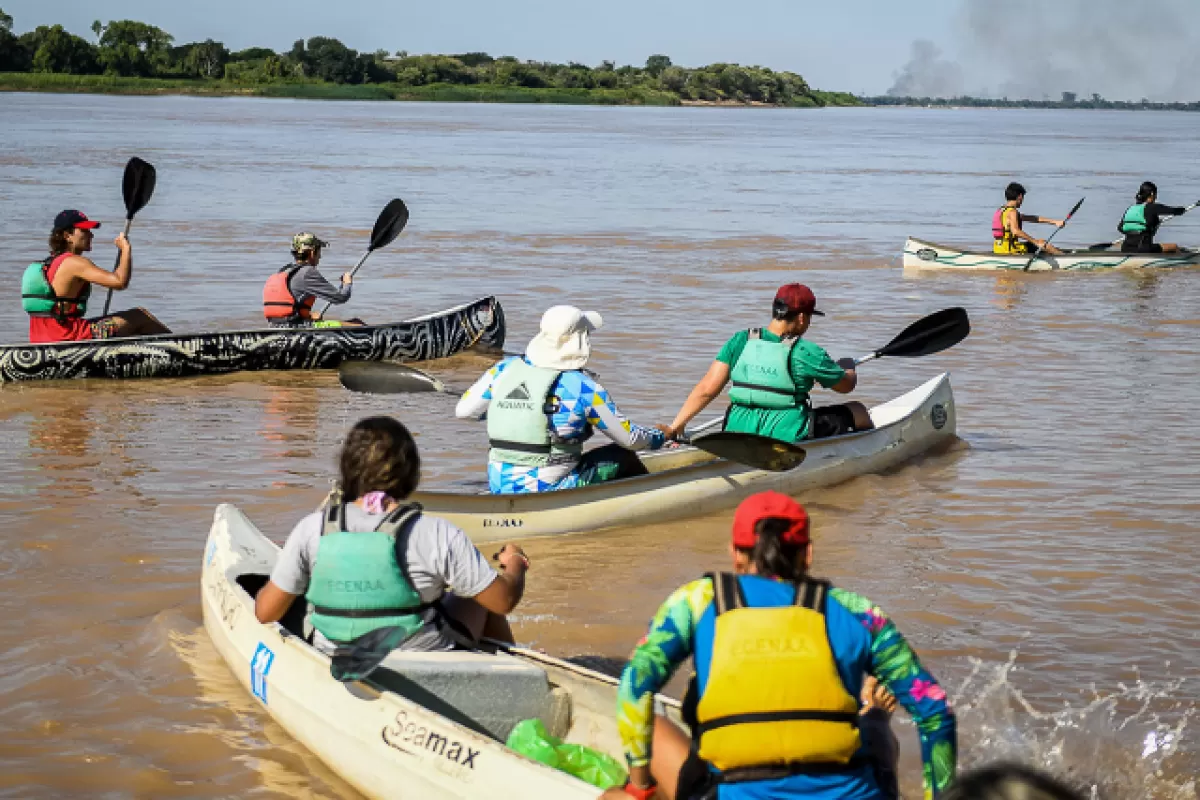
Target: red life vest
<point>278,300</point>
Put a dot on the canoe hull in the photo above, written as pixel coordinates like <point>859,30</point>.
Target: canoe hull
<point>687,483</point>
<point>383,743</point>
<point>438,335</point>
<point>920,254</point>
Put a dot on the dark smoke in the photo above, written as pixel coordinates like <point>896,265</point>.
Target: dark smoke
<point>1121,49</point>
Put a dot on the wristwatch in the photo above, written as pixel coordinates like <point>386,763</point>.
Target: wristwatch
<point>641,794</point>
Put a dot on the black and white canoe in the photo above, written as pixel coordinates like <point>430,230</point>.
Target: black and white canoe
<point>438,335</point>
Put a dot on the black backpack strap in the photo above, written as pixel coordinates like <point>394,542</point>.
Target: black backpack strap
<point>811,593</point>
<point>334,516</point>
<point>727,592</point>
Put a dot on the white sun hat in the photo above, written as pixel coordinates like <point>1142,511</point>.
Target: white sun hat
<point>564,341</point>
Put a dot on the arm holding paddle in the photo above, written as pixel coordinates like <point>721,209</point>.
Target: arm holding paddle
<point>708,389</point>
<point>84,269</point>
<point>1045,245</point>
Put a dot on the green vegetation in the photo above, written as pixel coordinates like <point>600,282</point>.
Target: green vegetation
<point>138,58</point>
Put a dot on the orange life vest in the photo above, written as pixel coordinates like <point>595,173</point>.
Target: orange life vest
<point>278,300</point>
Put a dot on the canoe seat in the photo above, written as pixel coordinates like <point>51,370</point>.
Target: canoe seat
<point>489,693</point>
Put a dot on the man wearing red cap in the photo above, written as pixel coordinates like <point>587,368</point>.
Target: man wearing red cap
<point>780,660</point>
<point>773,369</point>
<point>55,292</point>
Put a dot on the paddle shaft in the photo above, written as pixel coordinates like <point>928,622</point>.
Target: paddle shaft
<point>117,263</point>
<point>352,273</point>
<point>1046,241</point>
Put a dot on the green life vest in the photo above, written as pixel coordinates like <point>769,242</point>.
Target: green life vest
<point>1134,221</point>
<point>38,297</point>
<point>358,584</point>
<point>762,376</point>
<point>517,422</point>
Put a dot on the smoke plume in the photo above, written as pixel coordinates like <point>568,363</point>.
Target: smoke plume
<point>1035,49</point>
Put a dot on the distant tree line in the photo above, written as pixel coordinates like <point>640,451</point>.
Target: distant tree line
<point>1069,100</point>
<point>136,49</point>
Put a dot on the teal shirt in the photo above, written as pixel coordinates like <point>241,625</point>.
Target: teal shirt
<point>810,365</point>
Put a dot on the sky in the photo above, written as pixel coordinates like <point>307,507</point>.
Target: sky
<point>1020,48</point>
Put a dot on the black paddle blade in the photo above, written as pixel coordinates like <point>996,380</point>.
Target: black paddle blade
<point>391,221</point>
<point>382,377</point>
<point>932,334</point>
<point>137,185</point>
<point>1076,208</point>
<point>760,452</point>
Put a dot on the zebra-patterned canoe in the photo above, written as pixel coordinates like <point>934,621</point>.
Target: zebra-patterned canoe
<point>437,335</point>
<point>919,254</point>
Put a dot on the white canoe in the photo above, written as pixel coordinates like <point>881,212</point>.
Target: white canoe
<point>685,482</point>
<point>425,725</point>
<point>919,254</point>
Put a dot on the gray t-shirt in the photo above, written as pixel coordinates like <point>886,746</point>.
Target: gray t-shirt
<point>440,557</point>
<point>309,281</point>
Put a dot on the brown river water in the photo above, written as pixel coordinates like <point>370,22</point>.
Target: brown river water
<point>1044,566</point>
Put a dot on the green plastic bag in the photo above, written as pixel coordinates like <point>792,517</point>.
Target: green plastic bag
<point>531,739</point>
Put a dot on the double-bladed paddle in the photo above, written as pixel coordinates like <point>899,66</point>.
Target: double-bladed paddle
<point>136,187</point>
<point>1045,242</point>
<point>391,221</point>
<point>1115,242</point>
<point>932,334</point>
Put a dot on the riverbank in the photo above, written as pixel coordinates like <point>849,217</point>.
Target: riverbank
<point>436,92</point>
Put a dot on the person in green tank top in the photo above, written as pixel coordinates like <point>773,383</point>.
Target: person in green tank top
<point>773,369</point>
<point>378,571</point>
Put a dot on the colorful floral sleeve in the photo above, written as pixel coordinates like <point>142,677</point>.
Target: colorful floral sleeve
<point>896,664</point>
<point>655,659</point>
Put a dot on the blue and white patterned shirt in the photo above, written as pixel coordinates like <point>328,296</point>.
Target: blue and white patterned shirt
<point>583,404</point>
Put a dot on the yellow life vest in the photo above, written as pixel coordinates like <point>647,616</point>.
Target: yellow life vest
<point>1007,242</point>
<point>773,695</point>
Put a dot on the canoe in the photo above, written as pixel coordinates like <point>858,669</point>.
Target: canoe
<point>437,335</point>
<point>423,724</point>
<point>685,482</point>
<point>920,254</point>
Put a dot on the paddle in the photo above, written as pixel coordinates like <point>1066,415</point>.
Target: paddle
<point>1115,242</point>
<point>383,377</point>
<point>1037,252</point>
<point>759,452</point>
<point>136,188</point>
<point>391,221</point>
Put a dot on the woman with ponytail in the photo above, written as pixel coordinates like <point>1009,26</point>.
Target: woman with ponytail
<point>1141,220</point>
<point>786,688</point>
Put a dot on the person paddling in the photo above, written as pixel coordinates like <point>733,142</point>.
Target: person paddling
<point>542,407</point>
<point>55,291</point>
<point>1007,234</point>
<point>1140,222</point>
<point>780,660</point>
<point>773,369</point>
<point>290,294</point>
<point>366,549</point>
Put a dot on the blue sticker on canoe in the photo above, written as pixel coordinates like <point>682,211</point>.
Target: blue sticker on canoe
<point>212,551</point>
<point>260,667</point>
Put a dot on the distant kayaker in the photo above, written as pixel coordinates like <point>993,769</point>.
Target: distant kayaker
<point>55,292</point>
<point>542,407</point>
<point>344,559</point>
<point>291,293</point>
<point>1140,222</point>
<point>1007,234</point>
<point>773,369</point>
<point>780,660</point>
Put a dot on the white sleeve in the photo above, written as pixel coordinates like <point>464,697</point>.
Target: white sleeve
<point>463,567</point>
<point>475,400</point>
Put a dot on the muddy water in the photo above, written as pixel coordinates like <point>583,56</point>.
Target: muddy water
<point>1044,566</point>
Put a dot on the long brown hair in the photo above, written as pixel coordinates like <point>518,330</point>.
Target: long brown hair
<point>58,241</point>
<point>379,455</point>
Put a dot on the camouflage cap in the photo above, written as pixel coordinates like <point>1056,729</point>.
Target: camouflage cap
<point>307,241</point>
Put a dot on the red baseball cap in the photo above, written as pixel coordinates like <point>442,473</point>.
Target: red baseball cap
<point>66,220</point>
<point>768,505</point>
<point>797,298</point>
